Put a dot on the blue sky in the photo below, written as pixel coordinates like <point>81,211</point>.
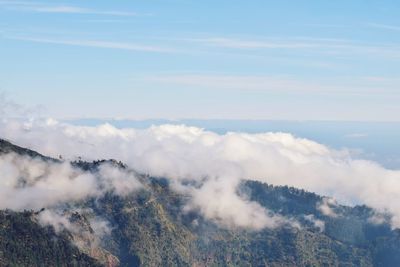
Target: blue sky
<point>226,59</point>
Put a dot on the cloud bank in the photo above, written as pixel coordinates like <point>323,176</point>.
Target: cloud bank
<point>32,183</point>
<point>209,166</point>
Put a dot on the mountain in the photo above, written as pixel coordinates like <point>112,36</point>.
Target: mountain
<point>151,228</point>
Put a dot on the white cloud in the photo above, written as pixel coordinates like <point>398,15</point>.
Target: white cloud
<point>326,207</point>
<point>87,233</point>
<point>56,219</point>
<point>34,184</point>
<point>215,164</point>
<point>218,200</point>
<point>378,218</point>
<point>316,222</point>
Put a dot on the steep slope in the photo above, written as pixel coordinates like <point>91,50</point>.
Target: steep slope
<point>23,242</point>
<point>8,147</point>
<point>150,228</point>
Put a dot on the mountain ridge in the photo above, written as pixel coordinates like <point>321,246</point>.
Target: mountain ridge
<point>149,228</point>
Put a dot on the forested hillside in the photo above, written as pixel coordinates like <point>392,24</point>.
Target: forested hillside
<point>150,227</point>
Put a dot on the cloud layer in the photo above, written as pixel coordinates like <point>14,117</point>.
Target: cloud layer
<point>213,165</point>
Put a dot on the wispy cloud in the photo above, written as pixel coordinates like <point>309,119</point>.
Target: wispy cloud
<point>239,43</point>
<point>271,43</point>
<point>236,82</point>
<point>356,135</point>
<point>384,26</point>
<point>98,44</point>
<point>329,46</point>
<point>78,10</point>
<point>65,9</point>
<point>355,86</point>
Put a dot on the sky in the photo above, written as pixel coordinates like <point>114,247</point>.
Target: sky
<point>128,79</point>
<point>181,59</point>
